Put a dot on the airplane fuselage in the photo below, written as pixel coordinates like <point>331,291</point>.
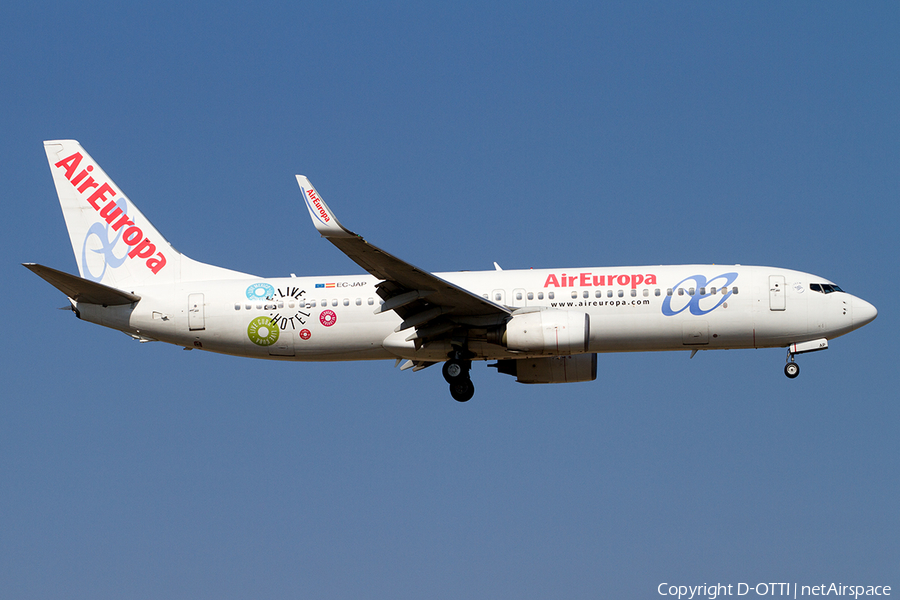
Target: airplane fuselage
<point>647,308</point>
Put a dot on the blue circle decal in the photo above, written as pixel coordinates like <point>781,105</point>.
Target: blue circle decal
<point>260,291</point>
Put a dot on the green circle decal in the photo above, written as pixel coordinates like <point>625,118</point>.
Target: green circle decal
<point>262,331</point>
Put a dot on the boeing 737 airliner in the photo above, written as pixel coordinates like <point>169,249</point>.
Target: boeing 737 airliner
<point>539,325</point>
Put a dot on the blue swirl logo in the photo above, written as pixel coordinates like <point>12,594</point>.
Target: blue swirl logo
<point>110,259</point>
<point>260,291</point>
<point>693,302</point>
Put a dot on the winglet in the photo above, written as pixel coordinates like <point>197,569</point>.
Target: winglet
<point>322,216</point>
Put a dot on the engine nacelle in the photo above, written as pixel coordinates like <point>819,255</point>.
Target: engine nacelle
<point>549,332</point>
<point>555,369</point>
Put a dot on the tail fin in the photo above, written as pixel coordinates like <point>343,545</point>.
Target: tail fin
<point>114,243</point>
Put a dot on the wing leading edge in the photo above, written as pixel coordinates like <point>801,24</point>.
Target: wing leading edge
<point>432,305</point>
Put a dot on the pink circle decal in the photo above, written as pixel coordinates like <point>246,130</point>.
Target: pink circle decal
<point>305,334</point>
<point>328,318</point>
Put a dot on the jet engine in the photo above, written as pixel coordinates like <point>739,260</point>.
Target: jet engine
<point>548,332</point>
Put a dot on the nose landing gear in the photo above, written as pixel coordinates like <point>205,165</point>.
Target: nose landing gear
<point>456,373</point>
<point>791,369</point>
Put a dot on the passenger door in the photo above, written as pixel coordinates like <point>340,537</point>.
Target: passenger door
<point>776,292</point>
<point>196,313</point>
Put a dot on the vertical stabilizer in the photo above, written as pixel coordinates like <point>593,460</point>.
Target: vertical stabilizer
<point>114,243</point>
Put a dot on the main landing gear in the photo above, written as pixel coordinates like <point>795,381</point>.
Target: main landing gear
<point>456,372</point>
<point>791,369</point>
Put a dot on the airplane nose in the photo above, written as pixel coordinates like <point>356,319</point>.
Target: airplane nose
<point>863,312</point>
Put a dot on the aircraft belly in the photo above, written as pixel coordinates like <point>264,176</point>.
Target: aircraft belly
<point>636,333</point>
<point>633,332</point>
<point>345,336</point>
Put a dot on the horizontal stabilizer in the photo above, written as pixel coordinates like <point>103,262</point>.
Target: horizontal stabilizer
<point>82,290</point>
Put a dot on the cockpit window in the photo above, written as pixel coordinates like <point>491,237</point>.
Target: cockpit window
<point>824,288</point>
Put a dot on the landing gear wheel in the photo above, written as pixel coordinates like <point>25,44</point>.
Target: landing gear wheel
<point>453,370</point>
<point>791,369</point>
<point>462,391</point>
<point>456,369</point>
<point>456,372</point>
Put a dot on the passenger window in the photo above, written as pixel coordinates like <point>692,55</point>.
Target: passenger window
<point>259,307</point>
<point>634,293</point>
<point>540,295</point>
<point>551,295</point>
<point>290,305</point>
<point>484,296</point>
<point>621,293</point>
<point>531,295</point>
<point>247,307</point>
<point>681,291</point>
<point>598,294</point>
<point>609,293</point>
<point>346,302</point>
<point>691,291</point>
<point>586,294</point>
<point>702,291</point>
<point>334,302</point>
<point>237,307</point>
<point>669,292</point>
<point>574,294</point>
<point>371,301</point>
<point>312,304</point>
<point>656,292</point>
<point>498,297</point>
<point>518,295</point>
<point>646,293</point>
<point>281,305</point>
<point>712,291</point>
<point>734,290</point>
<point>359,301</point>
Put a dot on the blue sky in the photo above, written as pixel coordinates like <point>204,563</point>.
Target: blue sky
<point>534,135</point>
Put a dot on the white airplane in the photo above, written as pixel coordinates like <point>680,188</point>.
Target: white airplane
<point>540,325</point>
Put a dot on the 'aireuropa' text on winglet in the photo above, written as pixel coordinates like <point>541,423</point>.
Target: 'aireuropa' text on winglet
<point>322,216</point>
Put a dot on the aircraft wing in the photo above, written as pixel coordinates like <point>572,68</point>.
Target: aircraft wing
<point>432,305</point>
